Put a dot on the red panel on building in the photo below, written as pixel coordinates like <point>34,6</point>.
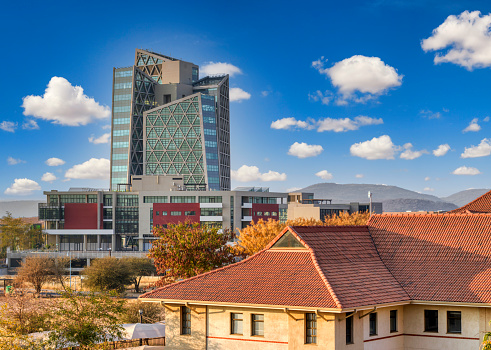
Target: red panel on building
<point>265,211</point>
<point>163,213</point>
<point>81,216</point>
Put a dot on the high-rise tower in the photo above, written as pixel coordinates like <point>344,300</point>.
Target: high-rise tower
<point>166,121</point>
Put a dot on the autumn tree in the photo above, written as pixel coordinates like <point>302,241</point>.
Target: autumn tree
<point>152,312</point>
<point>187,249</point>
<point>13,335</point>
<point>39,270</point>
<point>257,236</point>
<point>107,274</point>
<point>18,235</point>
<point>89,320</point>
<point>138,268</point>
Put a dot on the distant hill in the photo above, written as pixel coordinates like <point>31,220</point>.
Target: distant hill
<point>403,205</point>
<point>463,197</point>
<point>19,209</point>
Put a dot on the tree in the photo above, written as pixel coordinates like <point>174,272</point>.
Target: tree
<point>18,234</point>
<point>87,320</point>
<point>39,270</point>
<point>187,249</point>
<point>107,274</point>
<point>257,236</point>
<point>138,268</point>
<point>152,312</point>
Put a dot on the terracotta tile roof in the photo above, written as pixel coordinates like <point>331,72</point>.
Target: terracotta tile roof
<point>444,257</point>
<point>479,205</point>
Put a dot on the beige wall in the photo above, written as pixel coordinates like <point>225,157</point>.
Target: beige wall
<point>173,337</point>
<point>303,211</point>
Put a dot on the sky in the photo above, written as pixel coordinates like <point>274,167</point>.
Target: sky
<point>377,92</point>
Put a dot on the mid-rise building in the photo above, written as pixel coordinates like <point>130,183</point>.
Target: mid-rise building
<point>167,121</point>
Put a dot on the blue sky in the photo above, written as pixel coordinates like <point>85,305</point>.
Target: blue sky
<point>357,81</point>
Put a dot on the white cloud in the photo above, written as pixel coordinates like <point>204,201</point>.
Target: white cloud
<point>369,76</point>
<point>8,126</point>
<point>427,178</point>
<point>359,176</point>
<point>289,123</point>
<point>482,150</point>
<point>346,124</point>
<point>473,126</point>
<point>409,154</point>
<point>23,187</point>
<point>14,161</point>
<point>324,97</point>
<point>467,38</point>
<point>251,173</point>
<point>324,174</point>
<point>92,169</point>
<point>428,189</point>
<point>30,124</point>
<point>106,127</point>
<point>430,115</point>
<point>265,93</point>
<point>237,94</point>
<point>441,150</point>
<point>303,150</point>
<point>293,189</point>
<point>212,68</point>
<point>486,119</point>
<point>48,177</point>
<point>102,139</point>
<point>376,148</point>
<point>463,170</point>
<point>64,104</point>
<point>55,162</point>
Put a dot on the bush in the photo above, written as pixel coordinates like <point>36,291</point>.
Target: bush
<point>152,312</point>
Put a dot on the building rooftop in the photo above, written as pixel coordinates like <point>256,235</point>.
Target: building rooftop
<point>479,205</point>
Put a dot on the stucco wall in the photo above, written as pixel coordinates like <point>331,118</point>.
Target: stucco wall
<point>173,337</point>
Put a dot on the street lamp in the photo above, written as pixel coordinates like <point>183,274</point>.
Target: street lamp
<point>370,196</point>
<point>141,315</point>
<point>70,262</point>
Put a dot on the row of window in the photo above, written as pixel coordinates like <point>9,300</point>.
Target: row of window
<point>124,73</point>
<point>121,132</point>
<point>266,213</point>
<point>124,97</point>
<point>121,109</point>
<point>203,212</point>
<point>123,86</point>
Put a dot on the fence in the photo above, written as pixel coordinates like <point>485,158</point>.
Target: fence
<point>123,344</point>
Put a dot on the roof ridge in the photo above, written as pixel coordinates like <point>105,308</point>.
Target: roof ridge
<point>414,214</point>
<point>464,207</point>
<point>318,268</point>
<point>204,274</point>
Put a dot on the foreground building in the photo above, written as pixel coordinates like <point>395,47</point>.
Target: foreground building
<point>403,282</point>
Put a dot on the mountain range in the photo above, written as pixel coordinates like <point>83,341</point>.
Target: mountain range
<point>394,199</point>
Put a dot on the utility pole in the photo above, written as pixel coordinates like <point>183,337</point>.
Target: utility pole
<point>370,208</point>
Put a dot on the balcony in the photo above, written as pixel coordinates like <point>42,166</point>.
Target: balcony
<point>247,205</point>
<point>247,218</point>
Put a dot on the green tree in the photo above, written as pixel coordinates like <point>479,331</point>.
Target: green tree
<point>39,270</point>
<point>107,274</point>
<point>138,268</point>
<point>152,312</point>
<point>187,249</point>
<point>87,320</point>
<point>18,235</point>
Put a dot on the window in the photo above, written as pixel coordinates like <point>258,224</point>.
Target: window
<point>266,213</point>
<point>310,328</point>
<point>259,213</point>
<point>210,199</point>
<point>157,213</point>
<point>273,213</point>
<point>164,213</point>
<point>190,213</point>
<point>257,325</point>
<point>431,320</point>
<point>236,322</point>
<point>454,322</point>
<point>175,213</point>
<point>393,321</point>
<point>349,329</point>
<point>373,323</point>
<point>185,320</point>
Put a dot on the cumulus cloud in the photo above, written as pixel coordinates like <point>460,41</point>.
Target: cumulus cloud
<point>463,170</point>
<point>102,139</point>
<point>64,104</point>
<point>92,169</point>
<point>212,68</point>
<point>481,150</point>
<point>428,189</point>
<point>14,161</point>
<point>251,173</point>
<point>303,150</point>
<point>8,126</point>
<point>427,178</point>
<point>324,174</point>
<point>324,97</point>
<point>289,123</point>
<point>293,189</point>
<point>473,126</point>
<point>238,95</point>
<point>409,154</point>
<point>106,127</point>
<point>22,187</point>
<point>367,76</point>
<point>30,124</point>
<point>441,150</point>
<point>48,177</point>
<point>55,161</point>
<point>465,38</point>
<point>359,176</point>
<point>326,124</point>
<point>376,148</point>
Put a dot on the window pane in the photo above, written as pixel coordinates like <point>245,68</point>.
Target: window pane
<point>393,320</point>
<point>310,328</point>
<point>431,320</point>
<point>373,323</point>
<point>454,322</point>
<point>236,323</point>
<point>349,330</point>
